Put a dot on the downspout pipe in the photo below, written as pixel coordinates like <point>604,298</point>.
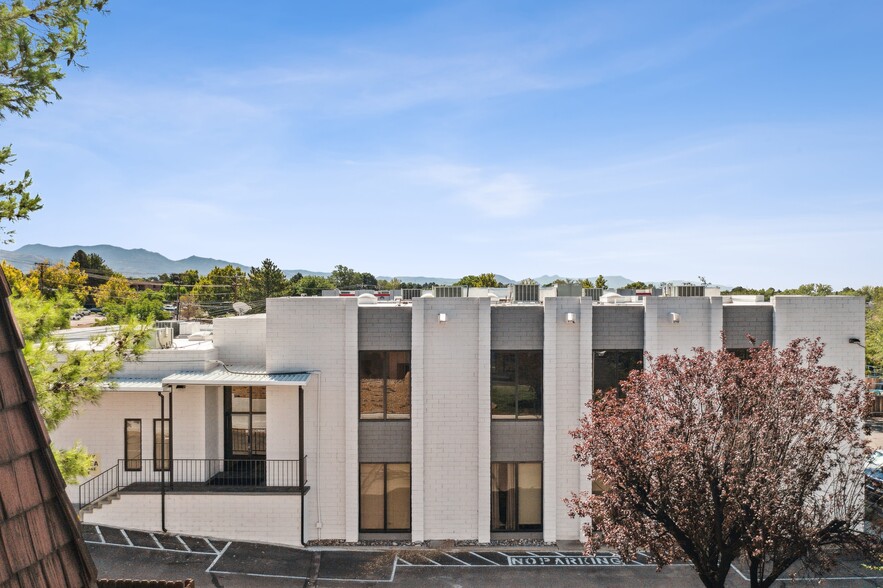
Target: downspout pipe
<point>162,473</point>
<point>302,470</point>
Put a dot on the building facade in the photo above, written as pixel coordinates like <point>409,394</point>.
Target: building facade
<point>342,418</point>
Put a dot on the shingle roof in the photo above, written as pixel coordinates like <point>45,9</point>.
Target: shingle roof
<point>40,541</point>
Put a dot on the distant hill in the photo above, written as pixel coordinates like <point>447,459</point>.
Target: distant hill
<point>141,263</point>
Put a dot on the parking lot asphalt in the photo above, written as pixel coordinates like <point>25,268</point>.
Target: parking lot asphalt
<point>122,553</point>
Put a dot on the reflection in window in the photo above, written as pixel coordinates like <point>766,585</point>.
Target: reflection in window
<point>516,384</point>
<point>516,496</point>
<point>385,384</point>
<point>385,497</point>
<point>162,432</point>
<point>610,367</point>
<point>133,444</point>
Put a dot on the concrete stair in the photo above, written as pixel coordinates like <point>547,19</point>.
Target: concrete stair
<point>105,500</point>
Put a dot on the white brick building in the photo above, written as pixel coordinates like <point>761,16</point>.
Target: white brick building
<point>437,418</point>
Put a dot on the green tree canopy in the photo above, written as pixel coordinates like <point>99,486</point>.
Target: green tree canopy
<point>488,280</point>
<point>344,277</point>
<point>600,282</point>
<point>221,284</point>
<point>312,285</point>
<point>37,41</point>
<point>266,281</point>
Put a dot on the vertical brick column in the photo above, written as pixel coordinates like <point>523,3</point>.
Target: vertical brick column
<point>484,420</point>
<point>716,323</point>
<point>351,420</point>
<point>585,387</point>
<point>417,414</point>
<point>550,417</point>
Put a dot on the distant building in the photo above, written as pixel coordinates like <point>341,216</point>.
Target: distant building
<point>446,417</point>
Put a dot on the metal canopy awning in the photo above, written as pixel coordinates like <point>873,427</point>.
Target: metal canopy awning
<point>238,376</point>
<point>133,384</point>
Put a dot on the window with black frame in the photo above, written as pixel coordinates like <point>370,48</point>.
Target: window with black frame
<point>162,432</point>
<point>516,496</point>
<point>384,385</point>
<point>384,497</point>
<point>132,431</point>
<point>611,366</point>
<point>516,384</point>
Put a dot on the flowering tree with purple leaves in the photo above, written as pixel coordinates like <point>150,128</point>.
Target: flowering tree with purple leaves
<point>718,459</point>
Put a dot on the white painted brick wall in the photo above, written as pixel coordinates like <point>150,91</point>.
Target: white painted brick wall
<point>262,518</point>
<point>452,370</point>
<point>833,318</point>
<point>242,339</point>
<point>305,334</point>
<point>701,322</point>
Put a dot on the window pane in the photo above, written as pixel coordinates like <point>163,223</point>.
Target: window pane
<point>502,497</point>
<point>398,385</point>
<point>398,496</point>
<point>530,384</point>
<point>504,370</point>
<point>530,495</point>
<point>133,444</point>
<point>239,435</point>
<point>371,384</point>
<point>371,496</point>
<point>259,399</point>
<point>239,399</point>
<point>161,444</point>
<point>259,434</point>
<point>612,366</point>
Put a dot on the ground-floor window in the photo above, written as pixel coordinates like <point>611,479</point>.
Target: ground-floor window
<point>384,497</point>
<point>133,444</point>
<point>516,496</point>
<point>162,432</point>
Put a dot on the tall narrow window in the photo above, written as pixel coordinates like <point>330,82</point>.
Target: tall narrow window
<point>385,497</point>
<point>133,444</point>
<point>161,434</point>
<point>516,384</point>
<point>384,385</point>
<point>516,496</point>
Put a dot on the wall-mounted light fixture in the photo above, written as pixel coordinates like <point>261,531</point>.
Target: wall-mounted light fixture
<point>675,317</point>
<point>442,317</point>
<point>856,341</point>
<point>570,317</point>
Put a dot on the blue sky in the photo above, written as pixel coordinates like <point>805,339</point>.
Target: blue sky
<point>741,141</point>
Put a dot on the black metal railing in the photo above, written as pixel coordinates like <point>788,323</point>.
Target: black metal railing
<point>94,489</point>
<point>195,475</point>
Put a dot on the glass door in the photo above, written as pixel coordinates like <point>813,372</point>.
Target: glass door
<point>245,432</point>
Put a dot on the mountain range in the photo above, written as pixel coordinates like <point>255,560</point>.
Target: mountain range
<point>141,263</point>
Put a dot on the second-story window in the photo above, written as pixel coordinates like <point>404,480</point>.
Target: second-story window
<point>516,384</point>
<point>384,384</point>
<point>611,366</point>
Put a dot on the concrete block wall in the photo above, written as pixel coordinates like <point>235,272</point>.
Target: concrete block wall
<point>833,318</point>
<point>261,518</point>
<point>307,334</point>
<point>384,328</point>
<point>516,327</point>
<point>385,441</point>
<point>741,320</point>
<point>520,440</point>
<point>701,323</point>
<point>214,422</point>
<point>618,327</point>
<point>158,363</point>
<point>452,390</point>
<point>241,340</point>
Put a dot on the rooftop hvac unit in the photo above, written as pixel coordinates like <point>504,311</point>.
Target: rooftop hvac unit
<point>411,293</point>
<point>525,292</point>
<point>686,290</point>
<point>574,289</point>
<point>448,291</point>
<point>593,293</point>
<point>161,338</point>
<point>174,325</point>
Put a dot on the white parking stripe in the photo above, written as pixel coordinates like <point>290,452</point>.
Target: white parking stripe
<point>100,534</point>
<point>155,540</point>
<point>459,560</point>
<point>430,560</point>
<point>187,547</point>
<point>484,558</point>
<point>403,562</point>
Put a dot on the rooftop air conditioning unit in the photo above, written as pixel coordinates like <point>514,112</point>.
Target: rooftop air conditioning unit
<point>688,290</point>
<point>525,292</point>
<point>411,293</point>
<point>448,291</point>
<point>574,289</point>
<point>593,293</point>
<point>174,325</point>
<point>161,339</point>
